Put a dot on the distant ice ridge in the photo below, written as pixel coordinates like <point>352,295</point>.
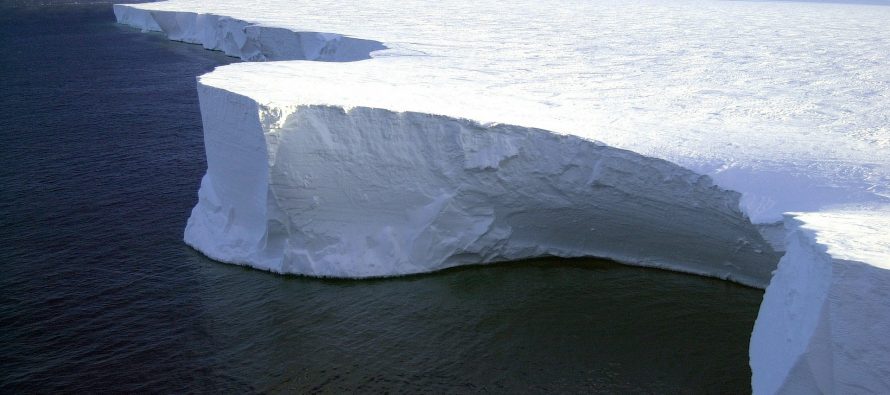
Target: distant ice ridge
<point>825,317</point>
<point>244,40</point>
<point>361,192</point>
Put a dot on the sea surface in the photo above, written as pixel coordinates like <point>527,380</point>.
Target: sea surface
<point>101,156</point>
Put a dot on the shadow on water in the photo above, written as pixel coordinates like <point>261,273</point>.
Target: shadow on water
<point>538,325</point>
<point>102,158</point>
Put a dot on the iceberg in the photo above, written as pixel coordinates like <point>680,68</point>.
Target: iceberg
<point>390,138</point>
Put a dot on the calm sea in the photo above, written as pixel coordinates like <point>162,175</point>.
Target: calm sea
<point>100,159</point>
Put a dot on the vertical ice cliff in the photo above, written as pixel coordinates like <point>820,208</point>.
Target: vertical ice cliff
<point>357,192</point>
<point>824,321</point>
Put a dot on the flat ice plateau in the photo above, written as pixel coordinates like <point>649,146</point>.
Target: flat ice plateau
<point>383,138</point>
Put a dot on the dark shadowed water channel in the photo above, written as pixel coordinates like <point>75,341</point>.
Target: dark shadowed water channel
<point>101,155</point>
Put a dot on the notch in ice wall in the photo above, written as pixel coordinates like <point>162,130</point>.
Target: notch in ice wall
<point>243,40</point>
<point>364,192</point>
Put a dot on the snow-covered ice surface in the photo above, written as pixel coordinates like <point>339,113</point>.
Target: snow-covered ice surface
<point>784,101</point>
<point>398,155</point>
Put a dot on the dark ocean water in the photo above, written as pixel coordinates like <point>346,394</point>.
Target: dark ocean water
<point>100,159</point>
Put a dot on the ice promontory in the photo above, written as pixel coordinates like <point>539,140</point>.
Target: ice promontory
<point>823,325</point>
<point>325,190</point>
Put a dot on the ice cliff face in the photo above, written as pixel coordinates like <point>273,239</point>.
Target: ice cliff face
<point>824,321</point>
<point>329,191</point>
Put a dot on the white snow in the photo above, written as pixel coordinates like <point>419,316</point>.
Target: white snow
<point>398,157</point>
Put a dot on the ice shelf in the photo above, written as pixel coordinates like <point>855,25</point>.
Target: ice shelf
<point>436,134</point>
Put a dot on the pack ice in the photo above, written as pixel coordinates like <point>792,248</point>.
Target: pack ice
<point>388,138</point>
